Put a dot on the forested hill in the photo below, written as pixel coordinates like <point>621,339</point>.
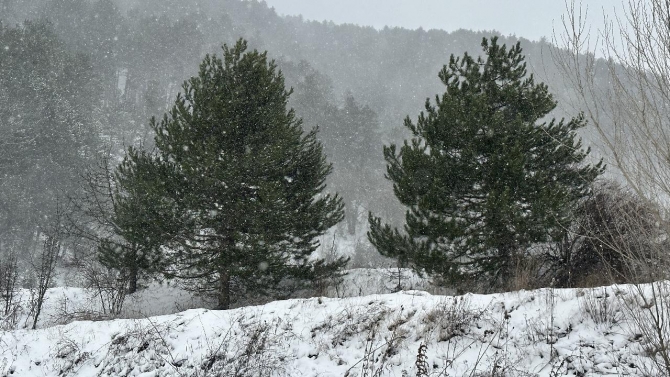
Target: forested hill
<point>355,82</point>
<point>392,70</point>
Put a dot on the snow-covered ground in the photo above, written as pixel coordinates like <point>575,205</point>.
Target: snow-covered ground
<point>62,304</point>
<point>547,332</point>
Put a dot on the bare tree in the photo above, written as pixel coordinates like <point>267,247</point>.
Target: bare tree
<point>626,98</point>
<point>91,216</point>
<point>9,276</point>
<point>91,221</point>
<point>107,285</point>
<point>625,94</point>
<point>44,262</point>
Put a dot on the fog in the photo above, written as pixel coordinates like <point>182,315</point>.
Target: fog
<point>356,76</point>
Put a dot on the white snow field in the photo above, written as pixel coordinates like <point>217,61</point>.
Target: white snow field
<point>547,332</point>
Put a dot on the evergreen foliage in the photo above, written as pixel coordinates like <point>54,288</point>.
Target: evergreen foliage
<point>350,135</point>
<point>138,217</point>
<point>48,100</point>
<point>142,51</point>
<point>483,176</point>
<point>99,219</point>
<point>234,189</point>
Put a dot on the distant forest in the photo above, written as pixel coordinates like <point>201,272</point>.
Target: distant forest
<point>355,83</point>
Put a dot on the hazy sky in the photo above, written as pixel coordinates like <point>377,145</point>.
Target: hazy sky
<point>530,19</point>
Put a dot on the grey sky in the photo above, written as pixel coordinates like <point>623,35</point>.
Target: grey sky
<point>530,19</point>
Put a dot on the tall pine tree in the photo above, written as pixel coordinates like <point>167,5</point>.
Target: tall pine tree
<point>234,189</point>
<point>483,177</point>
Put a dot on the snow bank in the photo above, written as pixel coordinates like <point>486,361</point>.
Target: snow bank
<point>528,333</point>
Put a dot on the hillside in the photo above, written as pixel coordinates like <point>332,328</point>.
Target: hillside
<point>548,332</point>
<point>81,229</point>
<point>355,83</point>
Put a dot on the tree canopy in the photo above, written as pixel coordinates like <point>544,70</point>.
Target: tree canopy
<point>234,187</point>
<point>48,101</point>
<point>484,176</point>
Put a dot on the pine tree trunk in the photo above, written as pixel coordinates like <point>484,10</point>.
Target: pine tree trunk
<point>132,279</point>
<point>224,290</point>
<point>508,254</point>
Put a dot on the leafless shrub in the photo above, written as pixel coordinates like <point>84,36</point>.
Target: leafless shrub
<point>145,341</point>
<point>378,351</point>
<point>356,320</point>
<point>9,289</point>
<point>107,285</point>
<point>613,238</point>
<point>249,347</point>
<point>257,355</point>
<point>43,263</point>
<point>541,330</point>
<point>601,307</point>
<point>68,356</point>
<point>65,313</point>
<point>527,273</point>
<point>450,318</point>
<point>492,358</point>
<point>647,311</point>
<point>631,117</point>
<point>396,276</point>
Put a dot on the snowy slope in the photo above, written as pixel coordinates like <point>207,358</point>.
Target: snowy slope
<point>527,333</point>
<point>62,304</point>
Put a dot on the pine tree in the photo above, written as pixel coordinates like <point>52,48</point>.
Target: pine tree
<point>350,135</point>
<point>234,189</point>
<point>139,218</point>
<point>484,178</point>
